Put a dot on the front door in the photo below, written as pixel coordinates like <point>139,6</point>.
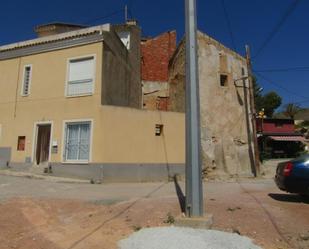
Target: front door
<point>43,143</point>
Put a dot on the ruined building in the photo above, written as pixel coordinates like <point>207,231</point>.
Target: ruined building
<point>224,100</point>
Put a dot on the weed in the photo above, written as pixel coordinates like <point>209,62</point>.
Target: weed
<point>169,219</point>
<point>136,228</point>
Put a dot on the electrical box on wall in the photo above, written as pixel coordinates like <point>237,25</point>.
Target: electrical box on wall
<point>54,149</point>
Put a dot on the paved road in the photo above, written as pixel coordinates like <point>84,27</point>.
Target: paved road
<point>256,208</point>
<point>11,187</point>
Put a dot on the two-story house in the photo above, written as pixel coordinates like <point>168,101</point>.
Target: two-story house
<point>71,99</point>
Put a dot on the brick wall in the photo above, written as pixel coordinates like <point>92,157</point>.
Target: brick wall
<point>156,53</point>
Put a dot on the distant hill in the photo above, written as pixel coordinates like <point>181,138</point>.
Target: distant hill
<point>302,115</point>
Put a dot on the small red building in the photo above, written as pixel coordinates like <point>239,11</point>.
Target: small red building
<point>278,138</point>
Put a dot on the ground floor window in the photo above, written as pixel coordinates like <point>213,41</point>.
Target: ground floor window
<point>77,141</point>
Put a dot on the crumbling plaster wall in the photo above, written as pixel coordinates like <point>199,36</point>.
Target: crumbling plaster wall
<point>223,114</point>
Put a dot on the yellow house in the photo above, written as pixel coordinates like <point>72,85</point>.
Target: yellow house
<point>70,101</point>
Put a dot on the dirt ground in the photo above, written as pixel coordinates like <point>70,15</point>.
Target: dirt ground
<point>255,209</point>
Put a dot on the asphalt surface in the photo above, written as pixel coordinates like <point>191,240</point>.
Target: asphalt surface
<point>252,207</point>
<point>12,187</point>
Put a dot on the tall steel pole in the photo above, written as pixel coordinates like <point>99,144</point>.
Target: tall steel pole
<point>194,188</point>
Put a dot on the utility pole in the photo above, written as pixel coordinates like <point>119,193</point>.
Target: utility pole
<point>248,122</point>
<point>253,113</point>
<point>126,13</point>
<point>194,188</point>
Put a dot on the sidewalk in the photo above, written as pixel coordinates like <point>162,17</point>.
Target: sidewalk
<point>7,172</point>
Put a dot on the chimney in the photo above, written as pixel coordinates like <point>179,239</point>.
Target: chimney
<point>56,28</point>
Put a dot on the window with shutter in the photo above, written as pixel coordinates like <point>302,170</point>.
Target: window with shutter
<point>26,80</point>
<point>80,76</point>
<point>77,144</point>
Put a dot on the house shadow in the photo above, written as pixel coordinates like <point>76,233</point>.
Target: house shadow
<point>180,195</point>
<point>295,198</point>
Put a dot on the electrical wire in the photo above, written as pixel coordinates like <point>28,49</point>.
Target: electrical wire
<point>283,70</point>
<point>275,30</point>
<point>229,25</point>
<point>301,102</point>
<point>104,17</point>
<point>279,86</point>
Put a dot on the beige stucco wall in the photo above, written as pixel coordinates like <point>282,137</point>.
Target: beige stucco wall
<point>119,135</point>
<point>128,136</point>
<point>47,101</point>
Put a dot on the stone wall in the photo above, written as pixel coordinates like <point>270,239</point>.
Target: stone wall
<point>223,105</point>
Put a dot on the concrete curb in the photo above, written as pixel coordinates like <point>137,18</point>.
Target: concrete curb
<point>42,177</point>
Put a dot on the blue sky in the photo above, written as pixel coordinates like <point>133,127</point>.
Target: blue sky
<point>251,22</point>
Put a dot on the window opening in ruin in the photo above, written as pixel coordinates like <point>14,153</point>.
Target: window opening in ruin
<point>223,80</point>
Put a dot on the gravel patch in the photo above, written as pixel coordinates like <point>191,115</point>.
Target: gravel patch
<point>185,238</point>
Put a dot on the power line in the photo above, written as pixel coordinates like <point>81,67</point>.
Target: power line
<point>279,86</point>
<point>229,25</point>
<point>300,102</point>
<point>283,69</point>
<point>282,20</point>
<point>104,17</point>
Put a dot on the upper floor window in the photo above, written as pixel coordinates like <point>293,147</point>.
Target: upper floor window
<point>80,76</point>
<point>25,91</point>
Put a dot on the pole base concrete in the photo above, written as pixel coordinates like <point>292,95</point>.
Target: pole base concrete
<point>204,222</point>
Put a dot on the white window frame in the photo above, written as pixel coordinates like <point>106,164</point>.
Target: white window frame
<point>68,75</point>
<point>63,144</point>
<point>23,81</point>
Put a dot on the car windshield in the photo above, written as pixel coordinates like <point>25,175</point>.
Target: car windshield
<point>302,158</point>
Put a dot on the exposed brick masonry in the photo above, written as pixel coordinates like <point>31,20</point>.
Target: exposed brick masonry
<point>156,53</point>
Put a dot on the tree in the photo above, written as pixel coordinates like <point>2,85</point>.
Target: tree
<point>270,101</point>
<point>291,109</point>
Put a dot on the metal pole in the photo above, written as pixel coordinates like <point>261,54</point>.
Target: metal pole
<point>194,190</point>
<point>253,113</point>
<point>126,13</point>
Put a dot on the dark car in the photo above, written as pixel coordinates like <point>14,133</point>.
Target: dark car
<point>293,176</point>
